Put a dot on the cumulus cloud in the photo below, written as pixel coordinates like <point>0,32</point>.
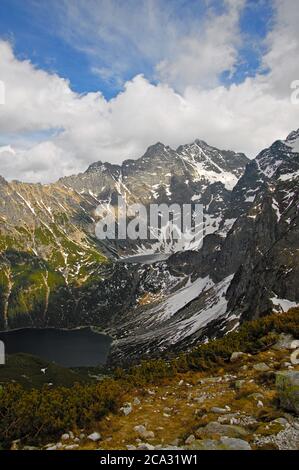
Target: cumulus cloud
<point>178,42</point>
<point>54,131</point>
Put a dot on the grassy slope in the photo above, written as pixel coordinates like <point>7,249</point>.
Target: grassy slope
<point>96,406</point>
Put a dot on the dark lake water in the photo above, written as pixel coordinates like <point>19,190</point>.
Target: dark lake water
<point>81,347</point>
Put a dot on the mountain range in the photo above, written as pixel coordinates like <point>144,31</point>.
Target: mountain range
<point>55,272</point>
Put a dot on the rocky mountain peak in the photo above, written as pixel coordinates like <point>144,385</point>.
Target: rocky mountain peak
<point>294,135</point>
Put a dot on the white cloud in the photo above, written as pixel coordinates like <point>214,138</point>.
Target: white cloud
<point>199,58</point>
<point>283,47</point>
<point>56,132</point>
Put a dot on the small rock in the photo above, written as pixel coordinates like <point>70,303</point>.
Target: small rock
<point>190,439</point>
<point>261,367</point>
<point>130,447</point>
<point>65,437</point>
<point>143,432</point>
<point>237,356</point>
<point>54,447</point>
<point>136,401</point>
<point>218,410</point>
<point>126,409</point>
<point>71,447</point>
<point>71,435</point>
<point>145,446</point>
<point>82,435</point>
<point>167,409</point>
<point>260,404</point>
<point>95,436</point>
<point>256,396</point>
<point>180,383</point>
<point>15,444</point>
<point>76,440</point>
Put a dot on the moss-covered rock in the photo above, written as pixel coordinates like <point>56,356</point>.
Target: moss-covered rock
<point>287,385</point>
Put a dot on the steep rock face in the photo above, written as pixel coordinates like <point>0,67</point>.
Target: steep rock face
<point>53,266</point>
<point>194,173</point>
<point>247,274</point>
<point>268,248</point>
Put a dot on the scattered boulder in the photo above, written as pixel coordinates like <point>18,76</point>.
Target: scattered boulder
<point>71,447</point>
<point>15,444</point>
<point>287,385</point>
<point>224,443</point>
<point>286,341</point>
<point>215,428</point>
<point>220,411</point>
<point>145,446</point>
<point>231,443</point>
<point>143,432</point>
<point>190,439</point>
<point>261,367</point>
<point>237,356</point>
<point>294,358</point>
<point>126,409</point>
<point>95,436</point>
<point>256,396</point>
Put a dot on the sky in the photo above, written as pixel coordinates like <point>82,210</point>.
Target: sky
<point>90,80</point>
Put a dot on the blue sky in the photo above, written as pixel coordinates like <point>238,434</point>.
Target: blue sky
<point>37,32</point>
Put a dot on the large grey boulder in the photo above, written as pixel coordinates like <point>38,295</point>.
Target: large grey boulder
<point>287,385</point>
<point>216,429</point>
<point>261,367</point>
<point>224,443</point>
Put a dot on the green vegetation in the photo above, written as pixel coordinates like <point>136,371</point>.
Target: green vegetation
<point>38,415</point>
<point>35,414</point>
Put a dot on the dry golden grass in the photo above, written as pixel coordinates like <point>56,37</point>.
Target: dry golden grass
<point>173,413</point>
